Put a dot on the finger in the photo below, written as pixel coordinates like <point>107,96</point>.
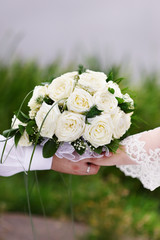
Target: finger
<point>77,168</point>
<point>84,169</point>
<point>118,158</point>
<point>92,169</point>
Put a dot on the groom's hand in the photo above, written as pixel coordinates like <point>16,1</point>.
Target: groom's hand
<point>77,168</point>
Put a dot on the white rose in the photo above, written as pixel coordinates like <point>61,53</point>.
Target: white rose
<point>128,99</point>
<point>49,125</point>
<point>70,126</point>
<point>121,123</point>
<point>105,101</point>
<point>100,130</point>
<point>70,75</point>
<point>92,81</point>
<point>117,90</point>
<point>39,93</point>
<point>24,140</point>
<point>79,101</point>
<point>60,88</point>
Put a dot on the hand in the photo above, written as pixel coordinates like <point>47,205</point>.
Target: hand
<point>118,158</point>
<point>77,168</point>
<point>150,140</point>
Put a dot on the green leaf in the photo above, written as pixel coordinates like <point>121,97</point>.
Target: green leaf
<point>97,150</point>
<point>126,107</point>
<point>114,145</point>
<point>79,146</point>
<point>119,80</point>
<point>94,111</point>
<point>17,138</point>
<point>9,132</point>
<point>31,126</point>
<point>50,147</point>
<point>81,69</point>
<point>63,107</point>
<point>120,100</point>
<point>21,129</point>
<point>125,90</point>
<point>48,100</point>
<point>110,77</point>
<point>111,90</point>
<point>22,116</point>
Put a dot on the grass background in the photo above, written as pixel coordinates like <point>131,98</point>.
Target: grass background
<point>110,203</point>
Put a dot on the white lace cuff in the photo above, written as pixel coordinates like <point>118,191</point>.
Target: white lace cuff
<point>147,160</point>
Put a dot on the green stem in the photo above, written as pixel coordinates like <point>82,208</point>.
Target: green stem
<point>12,126</point>
<point>29,206</point>
<point>71,205</point>
<point>42,205</point>
<point>38,134</point>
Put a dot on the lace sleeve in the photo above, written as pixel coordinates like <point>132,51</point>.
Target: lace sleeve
<point>144,150</point>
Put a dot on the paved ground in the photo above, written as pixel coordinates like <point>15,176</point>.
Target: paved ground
<point>18,227</point>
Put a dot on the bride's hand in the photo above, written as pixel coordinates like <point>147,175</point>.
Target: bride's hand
<point>77,168</point>
<point>118,158</point>
<point>147,141</point>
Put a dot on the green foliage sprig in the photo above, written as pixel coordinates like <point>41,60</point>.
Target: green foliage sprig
<point>114,145</point>
<point>79,146</point>
<point>111,90</point>
<point>92,112</point>
<point>124,106</point>
<point>98,150</point>
<point>50,147</point>
<point>111,78</point>
<point>22,116</point>
<point>81,69</point>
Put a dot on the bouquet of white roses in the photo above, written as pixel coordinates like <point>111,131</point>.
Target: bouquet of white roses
<point>85,109</point>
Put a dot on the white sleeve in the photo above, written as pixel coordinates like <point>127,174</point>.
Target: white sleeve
<point>17,160</point>
<point>144,150</point>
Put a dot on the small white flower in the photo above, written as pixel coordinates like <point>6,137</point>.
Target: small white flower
<point>100,130</point>
<point>121,123</point>
<point>61,88</point>
<point>117,90</point>
<point>79,101</point>
<point>92,81</point>
<point>105,101</point>
<point>70,126</point>
<point>49,125</point>
<point>39,93</point>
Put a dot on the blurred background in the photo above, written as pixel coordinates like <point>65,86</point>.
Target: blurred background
<point>40,40</point>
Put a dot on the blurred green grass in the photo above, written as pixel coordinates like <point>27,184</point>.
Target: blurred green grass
<point>112,204</point>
